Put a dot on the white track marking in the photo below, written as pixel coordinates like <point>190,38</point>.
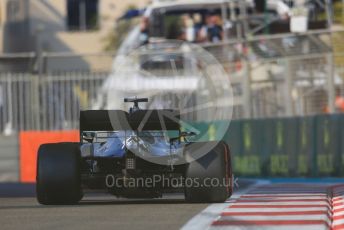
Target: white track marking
<point>204,219</point>
<point>276,206</point>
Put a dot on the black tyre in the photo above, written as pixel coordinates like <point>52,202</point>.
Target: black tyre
<point>211,176</point>
<point>58,174</point>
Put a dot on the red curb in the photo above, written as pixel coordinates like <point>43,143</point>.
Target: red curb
<point>269,222</point>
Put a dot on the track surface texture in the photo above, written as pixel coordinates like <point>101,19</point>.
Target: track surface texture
<point>256,205</point>
<point>20,210</point>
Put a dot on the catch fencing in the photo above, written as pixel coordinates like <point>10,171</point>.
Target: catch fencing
<point>52,102</point>
<point>272,76</point>
<point>284,88</point>
<point>284,75</point>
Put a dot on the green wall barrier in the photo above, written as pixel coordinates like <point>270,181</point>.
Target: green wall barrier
<point>305,165</point>
<point>282,141</point>
<point>328,145</point>
<point>250,161</point>
<point>341,139</point>
<point>292,136</point>
<point>298,146</point>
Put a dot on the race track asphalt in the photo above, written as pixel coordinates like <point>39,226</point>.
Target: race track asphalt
<point>20,210</point>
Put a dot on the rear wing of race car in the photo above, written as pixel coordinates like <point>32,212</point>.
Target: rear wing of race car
<point>155,120</point>
<point>103,120</point>
<point>117,120</point>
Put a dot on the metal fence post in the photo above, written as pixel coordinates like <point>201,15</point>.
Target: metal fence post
<point>342,18</point>
<point>35,102</point>
<point>247,89</point>
<point>331,84</point>
<point>329,12</point>
<point>288,88</point>
<point>9,126</point>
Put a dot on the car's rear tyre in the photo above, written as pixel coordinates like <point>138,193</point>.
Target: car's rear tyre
<point>58,179</point>
<point>210,176</point>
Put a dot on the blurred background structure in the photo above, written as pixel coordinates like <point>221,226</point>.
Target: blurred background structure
<point>285,58</point>
<point>69,26</point>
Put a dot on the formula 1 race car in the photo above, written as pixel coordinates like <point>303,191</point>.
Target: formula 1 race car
<point>140,154</point>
